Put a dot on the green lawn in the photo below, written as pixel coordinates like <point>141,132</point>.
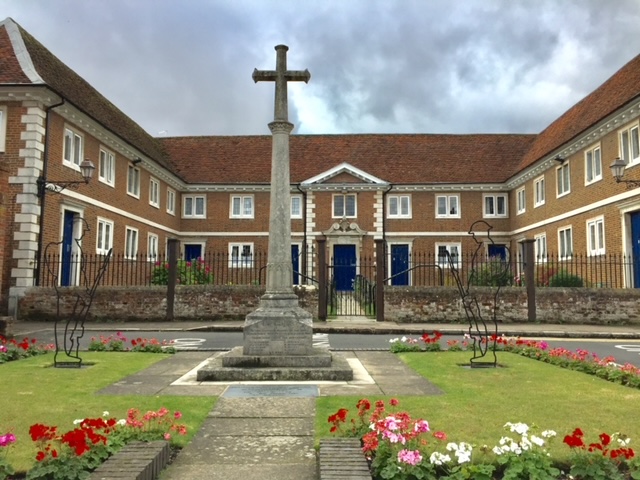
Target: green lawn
<point>477,403</point>
<point>35,392</point>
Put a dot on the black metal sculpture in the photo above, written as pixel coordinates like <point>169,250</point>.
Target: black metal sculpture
<point>484,341</point>
<point>83,297</point>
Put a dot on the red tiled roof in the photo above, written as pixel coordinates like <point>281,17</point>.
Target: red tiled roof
<point>397,158</point>
<point>77,91</point>
<point>617,91</point>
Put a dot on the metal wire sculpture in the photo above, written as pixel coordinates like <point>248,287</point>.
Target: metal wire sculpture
<point>67,348</point>
<point>483,340</point>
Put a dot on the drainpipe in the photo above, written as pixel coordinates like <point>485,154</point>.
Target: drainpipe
<point>304,231</point>
<point>45,161</point>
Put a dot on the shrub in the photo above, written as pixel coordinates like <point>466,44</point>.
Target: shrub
<point>192,272</point>
<point>494,273</point>
<point>565,279</point>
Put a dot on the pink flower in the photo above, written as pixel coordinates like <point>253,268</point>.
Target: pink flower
<point>410,457</point>
<point>167,436</point>
<point>421,426</point>
<point>177,415</point>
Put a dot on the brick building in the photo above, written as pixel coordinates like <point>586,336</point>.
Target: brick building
<point>417,193</point>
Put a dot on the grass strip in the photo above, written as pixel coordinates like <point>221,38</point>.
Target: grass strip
<point>35,392</point>
<point>478,402</point>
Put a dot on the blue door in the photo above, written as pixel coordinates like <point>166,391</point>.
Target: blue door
<point>67,248</point>
<point>399,264</point>
<point>295,263</point>
<point>497,251</point>
<point>192,251</point>
<point>344,267</point>
<point>635,244</point>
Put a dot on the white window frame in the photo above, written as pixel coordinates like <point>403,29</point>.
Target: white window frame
<point>3,128</point>
<point>521,201</point>
<point>632,133</point>
<point>152,247</point>
<point>104,236</point>
<point>540,248</point>
<point>447,204</point>
<point>133,175</point>
<point>494,200</point>
<point>154,192</point>
<point>171,201</point>
<point>296,212</point>
<point>107,167</point>
<point>592,164</point>
<point>73,150</point>
<point>245,206</point>
<point>130,242</point>
<point>195,199</point>
<point>563,179</point>
<point>539,192</point>
<point>335,207</point>
<point>596,236</point>
<point>449,247</point>
<point>565,243</point>
<point>237,257</point>
<point>399,206</point>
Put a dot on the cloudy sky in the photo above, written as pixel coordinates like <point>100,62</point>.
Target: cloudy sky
<point>183,67</point>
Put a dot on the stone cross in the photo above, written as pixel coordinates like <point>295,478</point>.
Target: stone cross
<point>279,268</point>
<point>281,76</point>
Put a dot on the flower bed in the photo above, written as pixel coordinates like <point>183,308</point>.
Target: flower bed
<point>401,447</point>
<point>580,360</point>
<point>73,454</point>
<point>118,343</point>
<point>15,350</point>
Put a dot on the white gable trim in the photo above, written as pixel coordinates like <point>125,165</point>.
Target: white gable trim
<point>344,167</point>
<point>20,49</point>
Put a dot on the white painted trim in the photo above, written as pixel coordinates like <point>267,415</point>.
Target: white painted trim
<point>20,49</point>
<point>342,168</point>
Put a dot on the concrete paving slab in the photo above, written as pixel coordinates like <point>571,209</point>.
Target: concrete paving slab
<point>190,391</point>
<point>273,407</point>
<point>245,472</point>
<point>250,450</point>
<point>235,427</point>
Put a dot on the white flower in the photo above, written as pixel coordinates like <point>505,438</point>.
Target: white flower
<point>537,440</point>
<point>505,440</point>
<point>403,339</point>
<point>78,421</point>
<point>497,450</point>
<point>105,414</point>
<point>549,433</point>
<point>121,422</point>
<point>623,441</point>
<point>519,428</point>
<point>394,340</point>
<point>438,458</point>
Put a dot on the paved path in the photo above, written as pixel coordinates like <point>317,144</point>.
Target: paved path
<point>266,433</point>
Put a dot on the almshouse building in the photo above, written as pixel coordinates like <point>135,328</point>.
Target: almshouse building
<point>416,193</point>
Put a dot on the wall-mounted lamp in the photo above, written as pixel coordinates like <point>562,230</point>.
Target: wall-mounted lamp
<point>136,160</point>
<point>559,159</point>
<point>55,186</point>
<point>617,170</point>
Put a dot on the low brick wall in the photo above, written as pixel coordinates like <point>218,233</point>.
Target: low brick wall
<point>150,304</point>
<point>599,306</point>
<point>402,304</point>
<point>136,461</point>
<point>342,458</point>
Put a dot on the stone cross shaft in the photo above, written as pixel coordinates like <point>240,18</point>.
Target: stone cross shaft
<point>279,268</point>
<point>281,76</point>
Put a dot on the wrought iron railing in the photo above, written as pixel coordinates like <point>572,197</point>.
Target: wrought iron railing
<point>422,269</point>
